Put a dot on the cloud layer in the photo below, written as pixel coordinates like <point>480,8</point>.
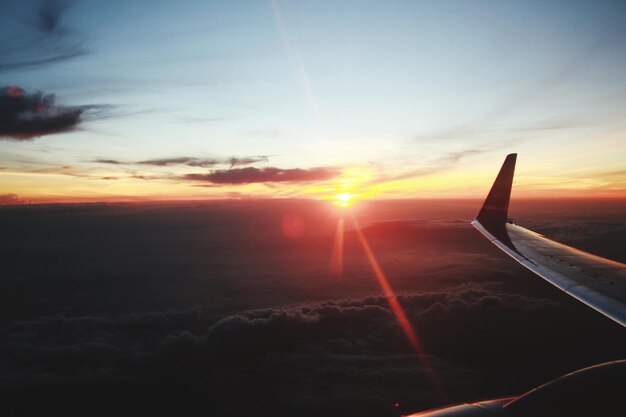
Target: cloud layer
<point>307,351</point>
<point>104,316</point>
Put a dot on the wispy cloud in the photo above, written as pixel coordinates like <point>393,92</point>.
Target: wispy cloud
<point>183,160</point>
<point>443,163</point>
<point>43,40</point>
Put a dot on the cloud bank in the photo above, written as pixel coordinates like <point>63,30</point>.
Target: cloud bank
<point>301,359</point>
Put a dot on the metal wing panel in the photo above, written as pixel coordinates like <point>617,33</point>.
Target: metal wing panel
<point>597,282</point>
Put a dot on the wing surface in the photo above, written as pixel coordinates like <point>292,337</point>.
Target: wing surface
<point>597,282</point>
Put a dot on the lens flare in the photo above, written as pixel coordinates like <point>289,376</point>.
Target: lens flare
<point>336,261</point>
<point>398,311</point>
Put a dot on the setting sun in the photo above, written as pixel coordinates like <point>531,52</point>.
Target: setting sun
<point>344,199</point>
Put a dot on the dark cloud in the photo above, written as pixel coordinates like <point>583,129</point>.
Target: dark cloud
<point>264,175</point>
<point>183,160</point>
<point>307,351</point>
<point>107,161</point>
<point>49,15</point>
<point>192,161</point>
<point>335,357</point>
<point>25,116</point>
<point>10,199</point>
<point>235,161</point>
<point>43,41</point>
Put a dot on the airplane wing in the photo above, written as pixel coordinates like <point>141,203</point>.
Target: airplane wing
<point>598,282</point>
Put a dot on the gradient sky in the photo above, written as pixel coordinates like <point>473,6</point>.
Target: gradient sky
<point>376,98</point>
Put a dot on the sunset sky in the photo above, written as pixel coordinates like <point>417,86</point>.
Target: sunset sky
<point>382,99</point>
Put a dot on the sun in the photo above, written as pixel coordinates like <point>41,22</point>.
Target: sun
<point>344,199</point>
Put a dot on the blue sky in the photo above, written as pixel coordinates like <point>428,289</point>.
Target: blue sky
<point>376,88</point>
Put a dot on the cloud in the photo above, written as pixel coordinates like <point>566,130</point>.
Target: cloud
<point>10,199</point>
<point>107,161</point>
<point>49,15</point>
<point>183,160</point>
<point>443,163</point>
<point>359,327</point>
<point>43,41</point>
<point>261,175</point>
<point>192,161</point>
<point>235,161</point>
<point>26,116</point>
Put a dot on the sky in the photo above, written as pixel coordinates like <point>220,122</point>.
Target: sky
<point>380,99</point>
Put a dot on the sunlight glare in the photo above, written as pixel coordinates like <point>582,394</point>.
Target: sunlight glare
<point>344,199</point>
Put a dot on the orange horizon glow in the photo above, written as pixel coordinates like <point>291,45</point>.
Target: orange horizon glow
<point>70,185</point>
<point>57,199</point>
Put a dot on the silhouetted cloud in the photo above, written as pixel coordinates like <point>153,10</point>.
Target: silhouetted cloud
<point>183,160</point>
<point>192,161</point>
<point>236,161</point>
<point>361,327</point>
<point>325,354</point>
<point>43,41</point>
<point>107,161</point>
<point>259,175</point>
<point>25,116</point>
<point>49,15</point>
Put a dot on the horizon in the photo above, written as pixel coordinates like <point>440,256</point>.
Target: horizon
<point>12,200</point>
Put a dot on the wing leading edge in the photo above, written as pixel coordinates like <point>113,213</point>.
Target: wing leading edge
<point>598,282</point>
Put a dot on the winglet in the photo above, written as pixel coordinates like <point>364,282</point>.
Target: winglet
<point>493,214</point>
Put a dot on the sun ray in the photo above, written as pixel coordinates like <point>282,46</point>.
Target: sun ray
<point>336,262</point>
<point>296,57</point>
<point>398,311</point>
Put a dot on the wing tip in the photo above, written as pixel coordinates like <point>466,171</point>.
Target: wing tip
<point>493,214</point>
